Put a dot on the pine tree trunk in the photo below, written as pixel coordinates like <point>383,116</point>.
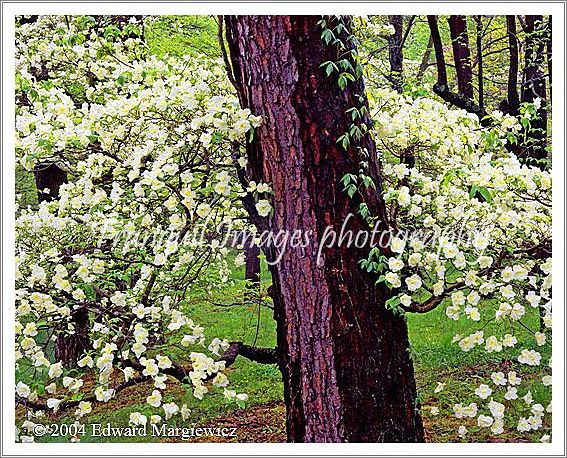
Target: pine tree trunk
<point>347,373</point>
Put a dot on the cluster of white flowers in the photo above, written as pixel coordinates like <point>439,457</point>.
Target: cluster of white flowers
<point>472,229</point>
<point>143,147</point>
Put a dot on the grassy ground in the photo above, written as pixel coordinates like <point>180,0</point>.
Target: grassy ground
<point>435,359</point>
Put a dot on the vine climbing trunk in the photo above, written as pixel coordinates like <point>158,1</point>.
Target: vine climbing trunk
<point>347,373</point>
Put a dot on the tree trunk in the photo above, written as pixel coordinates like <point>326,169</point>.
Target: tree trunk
<point>512,105</point>
<point>461,54</point>
<point>347,373</point>
<point>251,254</point>
<point>441,88</point>
<point>48,175</point>
<point>68,348</point>
<point>534,86</point>
<point>424,60</point>
<point>479,36</point>
<point>395,53</point>
<point>549,55</point>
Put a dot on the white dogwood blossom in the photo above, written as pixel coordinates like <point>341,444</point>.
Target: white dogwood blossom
<point>150,146</point>
<point>471,229</point>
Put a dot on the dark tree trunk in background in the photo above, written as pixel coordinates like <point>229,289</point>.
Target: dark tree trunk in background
<point>424,61</point>
<point>48,175</point>
<point>252,272</point>
<point>512,105</point>
<point>478,20</point>
<point>68,348</point>
<point>347,373</point>
<point>441,88</point>
<point>461,54</point>
<point>549,55</point>
<point>395,53</point>
<point>534,86</point>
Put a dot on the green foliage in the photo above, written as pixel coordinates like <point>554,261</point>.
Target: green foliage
<point>182,35</point>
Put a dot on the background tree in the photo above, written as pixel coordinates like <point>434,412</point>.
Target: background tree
<point>395,53</point>
<point>461,53</point>
<point>534,88</point>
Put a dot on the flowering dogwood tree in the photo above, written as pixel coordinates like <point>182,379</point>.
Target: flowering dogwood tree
<point>156,150</point>
<point>472,232</point>
<point>151,148</point>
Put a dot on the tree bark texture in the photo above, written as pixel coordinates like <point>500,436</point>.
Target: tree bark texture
<point>461,54</point>
<point>347,373</point>
<point>395,54</point>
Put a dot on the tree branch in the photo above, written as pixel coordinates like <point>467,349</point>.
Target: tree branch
<point>258,355</point>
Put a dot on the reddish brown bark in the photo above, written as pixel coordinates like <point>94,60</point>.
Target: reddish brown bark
<point>344,357</point>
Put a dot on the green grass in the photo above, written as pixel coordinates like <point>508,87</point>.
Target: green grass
<point>182,35</point>
<point>435,359</point>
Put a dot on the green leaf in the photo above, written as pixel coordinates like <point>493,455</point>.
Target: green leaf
<point>344,141</point>
<point>327,36</point>
<point>484,192</point>
<point>447,178</point>
<point>351,190</point>
<point>392,302</point>
<point>472,192</point>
